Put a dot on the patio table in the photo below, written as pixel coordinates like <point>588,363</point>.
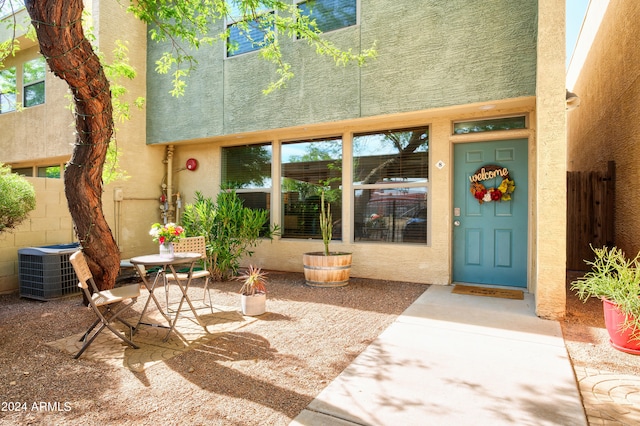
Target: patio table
<point>167,263</point>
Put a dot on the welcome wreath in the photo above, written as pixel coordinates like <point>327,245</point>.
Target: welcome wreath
<point>501,193</point>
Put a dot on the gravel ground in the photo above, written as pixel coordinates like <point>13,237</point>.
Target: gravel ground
<point>264,373</point>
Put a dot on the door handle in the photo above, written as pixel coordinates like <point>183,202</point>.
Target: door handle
<point>456,223</point>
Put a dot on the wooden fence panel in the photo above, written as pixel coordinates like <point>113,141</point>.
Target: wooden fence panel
<point>590,214</point>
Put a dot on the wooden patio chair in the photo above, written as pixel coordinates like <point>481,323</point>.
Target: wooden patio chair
<point>108,305</point>
<point>193,245</point>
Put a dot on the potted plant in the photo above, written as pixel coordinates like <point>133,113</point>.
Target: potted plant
<point>253,293</point>
<point>615,279</point>
<point>326,268</point>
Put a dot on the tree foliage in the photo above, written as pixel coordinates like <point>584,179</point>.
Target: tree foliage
<point>187,25</point>
<point>190,24</point>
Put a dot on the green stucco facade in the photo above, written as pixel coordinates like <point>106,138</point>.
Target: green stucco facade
<point>431,54</point>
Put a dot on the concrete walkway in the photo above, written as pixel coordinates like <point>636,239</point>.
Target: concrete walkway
<point>454,359</point>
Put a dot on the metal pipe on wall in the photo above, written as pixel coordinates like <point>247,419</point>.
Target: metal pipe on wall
<point>169,199</point>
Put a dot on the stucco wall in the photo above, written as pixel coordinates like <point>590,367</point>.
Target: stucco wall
<point>440,54</point>
<point>549,262</point>
<point>411,262</point>
<point>606,125</point>
<point>44,135</point>
<point>42,131</point>
<point>138,209</point>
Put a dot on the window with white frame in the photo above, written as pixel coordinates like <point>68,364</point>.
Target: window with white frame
<point>33,75</point>
<point>247,32</point>
<point>391,184</point>
<point>247,169</point>
<point>8,90</point>
<point>330,15</point>
<point>9,7</point>
<point>308,168</point>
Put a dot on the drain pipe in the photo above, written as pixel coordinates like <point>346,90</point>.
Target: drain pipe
<point>171,208</point>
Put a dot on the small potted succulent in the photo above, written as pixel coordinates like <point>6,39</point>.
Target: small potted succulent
<point>615,279</point>
<point>253,293</point>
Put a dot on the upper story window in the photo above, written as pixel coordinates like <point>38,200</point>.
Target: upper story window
<point>330,14</point>
<point>247,35</point>
<point>52,172</point>
<point>9,7</point>
<point>33,75</point>
<point>8,90</point>
<point>23,171</point>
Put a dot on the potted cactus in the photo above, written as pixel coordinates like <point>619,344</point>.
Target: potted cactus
<point>326,268</point>
<point>615,279</point>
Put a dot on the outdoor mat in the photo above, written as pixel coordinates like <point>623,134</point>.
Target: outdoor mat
<point>488,292</point>
<point>187,335</point>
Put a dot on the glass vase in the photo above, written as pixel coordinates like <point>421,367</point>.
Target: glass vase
<point>166,250</point>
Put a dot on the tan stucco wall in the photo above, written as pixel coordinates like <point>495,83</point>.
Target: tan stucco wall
<point>606,125</point>
<point>44,135</point>
<point>138,209</point>
<point>40,132</point>
<point>549,209</point>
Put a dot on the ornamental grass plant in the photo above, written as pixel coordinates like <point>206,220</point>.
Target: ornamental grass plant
<point>614,277</point>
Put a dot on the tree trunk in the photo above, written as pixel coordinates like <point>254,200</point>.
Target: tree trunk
<point>70,56</point>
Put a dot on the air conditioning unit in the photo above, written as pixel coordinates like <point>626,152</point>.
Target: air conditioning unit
<point>45,273</point>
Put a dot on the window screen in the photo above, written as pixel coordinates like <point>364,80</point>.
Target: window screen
<point>247,36</point>
<point>330,14</point>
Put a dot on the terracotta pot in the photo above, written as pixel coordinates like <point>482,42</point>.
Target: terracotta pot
<point>326,271</point>
<point>614,319</point>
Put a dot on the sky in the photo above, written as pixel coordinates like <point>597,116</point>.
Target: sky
<point>576,10</point>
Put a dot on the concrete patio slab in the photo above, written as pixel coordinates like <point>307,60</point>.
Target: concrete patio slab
<point>457,360</point>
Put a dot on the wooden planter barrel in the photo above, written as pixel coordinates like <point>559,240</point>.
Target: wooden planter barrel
<point>326,271</point>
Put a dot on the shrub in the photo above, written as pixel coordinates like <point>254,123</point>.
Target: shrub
<point>230,229</point>
<point>17,198</point>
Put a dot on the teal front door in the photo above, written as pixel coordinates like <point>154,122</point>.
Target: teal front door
<point>490,235</point>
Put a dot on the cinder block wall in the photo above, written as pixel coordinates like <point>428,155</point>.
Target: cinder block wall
<point>50,223</point>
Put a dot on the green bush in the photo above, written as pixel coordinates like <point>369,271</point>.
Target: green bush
<point>17,198</point>
<point>230,229</point>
